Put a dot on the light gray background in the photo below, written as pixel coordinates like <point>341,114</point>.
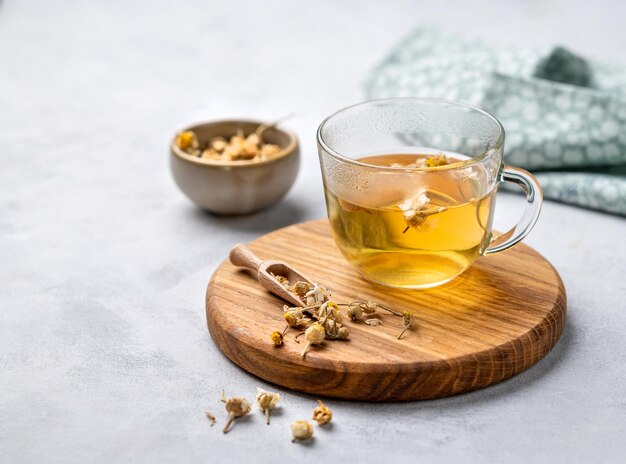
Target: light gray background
<point>104,352</point>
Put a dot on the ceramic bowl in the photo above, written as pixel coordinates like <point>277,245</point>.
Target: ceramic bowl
<point>236,187</point>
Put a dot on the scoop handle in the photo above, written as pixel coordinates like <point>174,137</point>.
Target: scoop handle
<point>242,256</point>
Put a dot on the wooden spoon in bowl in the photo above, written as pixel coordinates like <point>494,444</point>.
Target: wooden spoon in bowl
<point>242,256</point>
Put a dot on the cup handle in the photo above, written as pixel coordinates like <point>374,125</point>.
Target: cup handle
<point>534,197</point>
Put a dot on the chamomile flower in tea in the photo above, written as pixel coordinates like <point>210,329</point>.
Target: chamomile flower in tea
<point>412,208</point>
<point>404,228</point>
<point>436,160</point>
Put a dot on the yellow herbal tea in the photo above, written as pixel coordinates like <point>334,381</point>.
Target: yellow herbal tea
<point>421,238</point>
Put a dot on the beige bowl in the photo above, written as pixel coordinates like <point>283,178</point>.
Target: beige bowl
<point>236,187</point>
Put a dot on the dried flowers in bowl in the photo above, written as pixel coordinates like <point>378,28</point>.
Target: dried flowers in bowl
<point>235,166</point>
<point>239,147</point>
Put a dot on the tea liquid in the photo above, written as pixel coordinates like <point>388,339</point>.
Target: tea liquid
<point>433,246</point>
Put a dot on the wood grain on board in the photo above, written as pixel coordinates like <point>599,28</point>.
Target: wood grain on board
<point>495,320</point>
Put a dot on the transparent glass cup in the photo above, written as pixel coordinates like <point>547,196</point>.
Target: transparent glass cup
<point>400,215</point>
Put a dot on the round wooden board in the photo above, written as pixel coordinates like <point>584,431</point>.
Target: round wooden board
<point>492,322</point>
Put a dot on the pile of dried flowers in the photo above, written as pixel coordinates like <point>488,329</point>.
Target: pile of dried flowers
<point>300,429</point>
<point>249,148</point>
<point>322,319</point>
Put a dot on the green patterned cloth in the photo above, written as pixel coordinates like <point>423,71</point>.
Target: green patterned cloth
<point>565,117</point>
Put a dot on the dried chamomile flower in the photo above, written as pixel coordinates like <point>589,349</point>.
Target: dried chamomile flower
<point>301,430</point>
<point>293,316</point>
<point>318,294</point>
<point>417,201</point>
<point>413,205</point>
<point>267,401</point>
<point>300,288</point>
<point>362,307</point>
<point>335,330</point>
<point>250,146</point>
<point>354,312</point>
<point>407,322</point>
<point>236,407</point>
<point>322,414</point>
<point>211,418</point>
<point>269,150</point>
<point>211,154</point>
<point>277,338</point>
<point>230,153</point>
<point>281,279</point>
<point>314,335</point>
<point>240,154</point>
<point>436,160</point>
<point>373,322</point>
<point>218,144</point>
<point>420,216</point>
<point>187,140</point>
<point>238,139</point>
<point>330,310</point>
<point>413,219</point>
<point>330,327</point>
<point>414,209</point>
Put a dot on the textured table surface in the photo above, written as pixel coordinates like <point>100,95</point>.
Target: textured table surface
<point>104,352</point>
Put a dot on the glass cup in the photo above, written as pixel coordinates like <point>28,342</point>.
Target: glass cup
<point>410,187</point>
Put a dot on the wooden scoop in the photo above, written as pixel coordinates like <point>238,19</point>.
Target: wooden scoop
<point>242,256</point>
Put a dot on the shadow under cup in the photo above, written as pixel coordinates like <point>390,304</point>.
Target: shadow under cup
<point>400,215</point>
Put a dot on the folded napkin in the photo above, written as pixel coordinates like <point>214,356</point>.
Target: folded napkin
<point>564,116</point>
